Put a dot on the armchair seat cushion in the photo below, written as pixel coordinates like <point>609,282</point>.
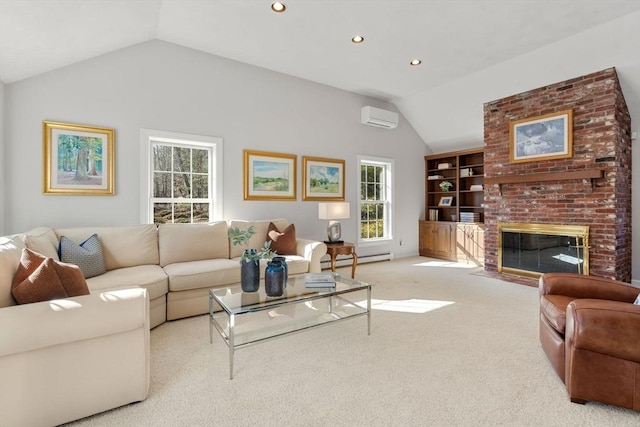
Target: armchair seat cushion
<point>554,309</point>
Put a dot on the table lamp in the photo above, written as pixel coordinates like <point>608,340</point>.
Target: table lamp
<point>333,212</point>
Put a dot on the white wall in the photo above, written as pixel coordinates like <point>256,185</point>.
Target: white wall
<point>157,85</point>
<point>455,110</point>
<point>3,169</point>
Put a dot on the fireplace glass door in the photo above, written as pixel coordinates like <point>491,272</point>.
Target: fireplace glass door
<point>534,251</point>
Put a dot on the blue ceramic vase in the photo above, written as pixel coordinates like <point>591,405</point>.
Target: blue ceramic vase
<point>249,273</point>
<point>274,278</point>
<point>283,260</point>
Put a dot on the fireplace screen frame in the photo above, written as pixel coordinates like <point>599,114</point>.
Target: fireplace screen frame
<point>579,232</point>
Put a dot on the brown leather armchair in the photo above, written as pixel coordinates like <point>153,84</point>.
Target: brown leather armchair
<point>590,331</point>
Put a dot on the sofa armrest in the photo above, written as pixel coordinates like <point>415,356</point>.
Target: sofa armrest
<point>606,327</point>
<point>312,251</point>
<point>49,323</point>
<point>587,287</point>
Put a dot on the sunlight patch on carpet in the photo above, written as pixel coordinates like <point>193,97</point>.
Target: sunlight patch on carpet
<point>435,263</point>
<point>419,306</point>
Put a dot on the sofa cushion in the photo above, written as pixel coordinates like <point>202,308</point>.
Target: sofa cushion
<point>39,278</point>
<point>150,277</point>
<point>192,242</point>
<point>637,301</point>
<point>122,246</point>
<point>258,239</point>
<point>10,253</point>
<point>282,242</point>
<point>42,240</point>
<point>86,255</point>
<point>295,265</point>
<point>202,274</point>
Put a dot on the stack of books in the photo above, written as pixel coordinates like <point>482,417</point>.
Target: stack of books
<point>469,217</point>
<point>432,177</point>
<point>433,214</point>
<point>476,187</point>
<point>319,280</point>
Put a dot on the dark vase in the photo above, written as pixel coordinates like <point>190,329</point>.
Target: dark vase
<point>274,278</point>
<point>250,273</point>
<point>283,260</point>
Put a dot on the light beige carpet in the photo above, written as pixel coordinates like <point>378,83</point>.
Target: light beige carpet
<point>475,361</point>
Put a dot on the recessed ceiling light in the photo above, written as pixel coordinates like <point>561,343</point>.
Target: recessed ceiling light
<point>278,7</point>
<point>415,62</point>
<point>357,39</point>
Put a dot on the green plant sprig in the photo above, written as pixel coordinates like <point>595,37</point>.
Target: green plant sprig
<point>242,237</point>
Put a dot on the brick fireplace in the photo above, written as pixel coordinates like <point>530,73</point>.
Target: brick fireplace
<point>591,188</point>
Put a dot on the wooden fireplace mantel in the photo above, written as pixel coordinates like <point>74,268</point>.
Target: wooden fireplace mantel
<point>547,176</point>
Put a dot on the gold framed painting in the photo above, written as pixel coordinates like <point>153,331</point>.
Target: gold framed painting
<point>323,179</point>
<point>78,159</point>
<point>545,137</point>
<point>269,176</point>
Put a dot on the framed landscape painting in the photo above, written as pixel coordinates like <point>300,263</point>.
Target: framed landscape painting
<point>446,201</point>
<point>269,176</point>
<point>78,159</point>
<point>545,137</point>
<point>323,179</point>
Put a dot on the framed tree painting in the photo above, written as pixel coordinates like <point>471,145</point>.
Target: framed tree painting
<point>269,176</point>
<point>78,159</point>
<point>545,137</point>
<point>323,179</point>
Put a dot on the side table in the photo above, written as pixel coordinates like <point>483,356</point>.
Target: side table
<point>342,248</point>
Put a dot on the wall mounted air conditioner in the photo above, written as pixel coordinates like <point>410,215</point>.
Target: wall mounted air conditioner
<point>377,117</point>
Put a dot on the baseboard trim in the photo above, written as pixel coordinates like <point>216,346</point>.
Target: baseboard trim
<point>347,261</point>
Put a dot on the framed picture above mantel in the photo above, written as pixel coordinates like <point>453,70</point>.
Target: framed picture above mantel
<point>544,137</point>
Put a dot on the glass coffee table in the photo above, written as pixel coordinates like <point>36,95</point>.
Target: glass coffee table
<point>244,318</point>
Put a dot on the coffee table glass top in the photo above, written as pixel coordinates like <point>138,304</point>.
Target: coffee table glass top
<point>234,301</point>
<point>245,318</point>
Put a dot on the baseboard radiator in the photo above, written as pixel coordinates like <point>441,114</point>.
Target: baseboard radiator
<point>346,260</point>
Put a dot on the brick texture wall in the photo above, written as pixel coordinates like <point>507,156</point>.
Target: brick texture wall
<point>601,140</point>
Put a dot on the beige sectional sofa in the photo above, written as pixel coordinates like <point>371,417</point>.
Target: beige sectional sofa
<point>66,359</point>
<point>49,350</point>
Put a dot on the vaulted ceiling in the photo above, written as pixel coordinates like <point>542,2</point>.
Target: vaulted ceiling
<point>311,40</point>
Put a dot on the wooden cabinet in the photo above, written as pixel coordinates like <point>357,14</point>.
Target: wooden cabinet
<point>438,239</point>
<point>453,227</point>
<point>470,243</point>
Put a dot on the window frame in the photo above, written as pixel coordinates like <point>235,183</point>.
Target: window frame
<point>148,137</point>
<point>389,167</point>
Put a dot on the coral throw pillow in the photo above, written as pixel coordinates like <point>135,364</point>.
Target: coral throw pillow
<point>283,242</point>
<point>39,278</point>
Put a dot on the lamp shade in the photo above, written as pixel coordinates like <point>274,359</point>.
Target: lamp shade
<point>333,210</point>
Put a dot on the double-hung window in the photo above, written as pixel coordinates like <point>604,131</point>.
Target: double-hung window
<point>182,182</point>
<point>375,198</point>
